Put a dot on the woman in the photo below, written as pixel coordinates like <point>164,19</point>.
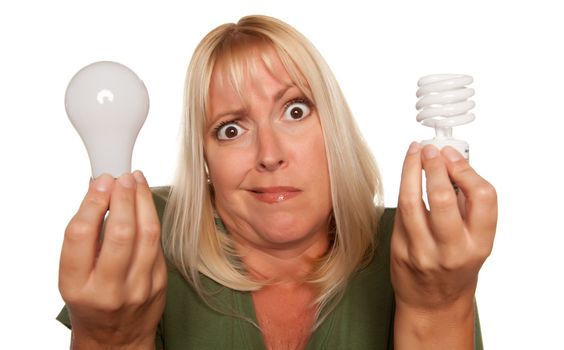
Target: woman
<point>274,227</point>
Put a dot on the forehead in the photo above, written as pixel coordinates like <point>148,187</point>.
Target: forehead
<point>247,70</point>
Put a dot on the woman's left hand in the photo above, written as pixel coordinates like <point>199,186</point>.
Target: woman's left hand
<point>436,254</point>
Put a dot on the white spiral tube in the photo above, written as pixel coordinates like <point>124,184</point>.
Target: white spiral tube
<point>443,104</point>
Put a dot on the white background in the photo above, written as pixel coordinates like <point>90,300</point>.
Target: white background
<point>512,48</point>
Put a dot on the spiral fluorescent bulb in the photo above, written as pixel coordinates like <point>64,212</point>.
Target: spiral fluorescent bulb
<point>443,104</point>
<point>107,104</point>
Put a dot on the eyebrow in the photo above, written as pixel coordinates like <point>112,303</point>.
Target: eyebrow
<point>238,112</point>
<point>241,111</point>
<point>283,91</point>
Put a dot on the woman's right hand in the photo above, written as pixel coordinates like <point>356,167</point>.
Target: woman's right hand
<point>114,290</point>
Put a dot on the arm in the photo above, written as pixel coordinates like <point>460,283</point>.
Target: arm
<point>114,290</point>
<point>449,328</point>
<point>437,253</point>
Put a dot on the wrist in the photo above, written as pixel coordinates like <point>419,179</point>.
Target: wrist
<point>448,327</point>
<point>81,342</point>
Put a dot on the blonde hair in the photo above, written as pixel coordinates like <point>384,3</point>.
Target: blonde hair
<point>192,240</point>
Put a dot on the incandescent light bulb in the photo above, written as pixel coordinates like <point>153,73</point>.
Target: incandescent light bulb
<point>107,104</point>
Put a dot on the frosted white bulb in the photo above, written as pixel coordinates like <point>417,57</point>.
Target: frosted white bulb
<point>107,104</point>
<point>443,103</point>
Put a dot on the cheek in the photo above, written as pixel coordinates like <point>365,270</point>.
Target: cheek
<point>227,167</point>
<point>314,158</point>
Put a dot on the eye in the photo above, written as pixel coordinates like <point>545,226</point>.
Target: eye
<point>229,131</point>
<point>297,110</point>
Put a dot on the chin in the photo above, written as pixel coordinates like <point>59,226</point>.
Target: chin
<point>284,232</point>
<point>284,238</point>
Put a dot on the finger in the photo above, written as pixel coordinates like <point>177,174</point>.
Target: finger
<point>481,197</point>
<point>80,244</point>
<point>444,215</point>
<point>148,243</point>
<point>399,244</point>
<point>160,274</point>
<point>461,200</point>
<point>119,237</point>
<point>410,202</point>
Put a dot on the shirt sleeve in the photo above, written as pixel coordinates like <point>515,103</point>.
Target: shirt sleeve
<point>64,318</point>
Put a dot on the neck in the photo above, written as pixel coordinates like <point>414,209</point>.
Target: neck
<point>287,266</point>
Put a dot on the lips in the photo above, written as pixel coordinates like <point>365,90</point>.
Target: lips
<point>273,195</point>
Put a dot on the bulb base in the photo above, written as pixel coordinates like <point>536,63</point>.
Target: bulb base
<point>461,146</point>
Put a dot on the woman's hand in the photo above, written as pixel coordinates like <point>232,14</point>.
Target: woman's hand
<point>437,253</point>
<point>114,290</point>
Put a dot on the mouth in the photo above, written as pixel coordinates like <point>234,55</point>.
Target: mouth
<point>272,195</point>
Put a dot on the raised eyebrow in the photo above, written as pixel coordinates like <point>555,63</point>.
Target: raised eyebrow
<point>241,111</point>
<point>237,112</point>
<point>283,91</point>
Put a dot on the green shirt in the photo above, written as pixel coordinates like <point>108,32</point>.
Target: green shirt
<point>363,319</point>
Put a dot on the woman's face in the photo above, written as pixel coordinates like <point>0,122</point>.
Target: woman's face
<point>266,159</point>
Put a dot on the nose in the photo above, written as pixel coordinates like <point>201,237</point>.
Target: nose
<point>270,154</point>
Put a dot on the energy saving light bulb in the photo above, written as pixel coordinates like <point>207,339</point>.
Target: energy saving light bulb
<point>443,104</point>
<point>107,104</point>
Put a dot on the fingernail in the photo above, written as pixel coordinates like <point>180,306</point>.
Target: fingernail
<point>430,152</point>
<point>103,182</point>
<point>127,180</point>
<point>139,177</point>
<point>451,154</point>
<point>414,148</point>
